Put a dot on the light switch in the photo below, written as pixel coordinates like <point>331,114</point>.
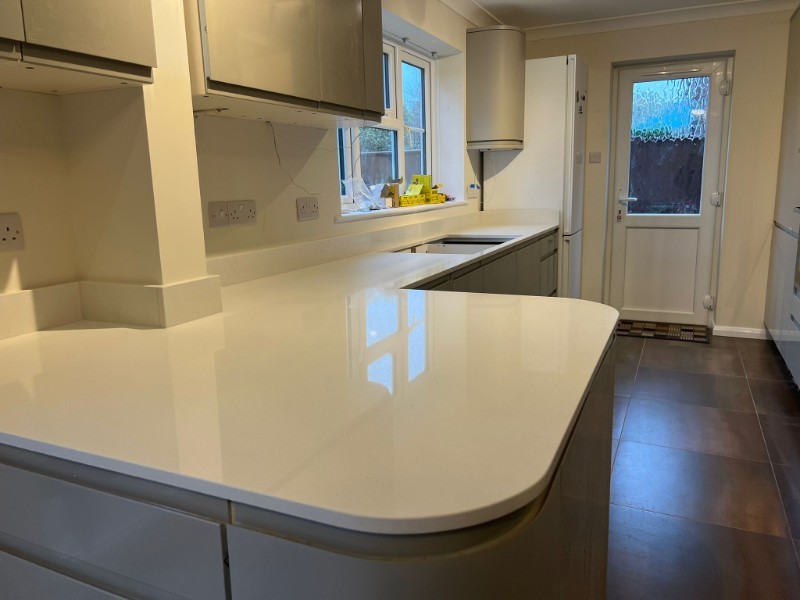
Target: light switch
<point>595,157</point>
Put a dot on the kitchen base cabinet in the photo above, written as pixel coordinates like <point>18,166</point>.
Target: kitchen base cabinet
<point>126,545</point>
<point>555,547</point>
<point>528,269</point>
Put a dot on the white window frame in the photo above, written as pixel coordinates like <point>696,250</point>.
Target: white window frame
<point>393,117</point>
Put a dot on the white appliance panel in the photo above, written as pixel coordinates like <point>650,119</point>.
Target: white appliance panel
<point>571,250</point>
<point>575,157</point>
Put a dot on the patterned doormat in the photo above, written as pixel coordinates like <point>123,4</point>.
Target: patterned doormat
<point>664,331</point>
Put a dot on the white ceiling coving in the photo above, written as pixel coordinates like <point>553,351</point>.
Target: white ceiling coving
<point>533,14</point>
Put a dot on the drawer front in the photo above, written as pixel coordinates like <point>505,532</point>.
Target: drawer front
<point>445,286</point>
<point>23,580</point>
<point>547,245</point>
<point>471,282</point>
<point>160,548</point>
<point>548,276</point>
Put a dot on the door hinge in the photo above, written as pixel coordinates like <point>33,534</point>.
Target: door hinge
<point>716,198</point>
<point>708,302</point>
<point>725,87</point>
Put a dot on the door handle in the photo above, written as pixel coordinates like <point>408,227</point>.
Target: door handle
<point>626,200</point>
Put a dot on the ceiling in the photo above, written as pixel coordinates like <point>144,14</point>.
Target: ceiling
<point>529,14</point>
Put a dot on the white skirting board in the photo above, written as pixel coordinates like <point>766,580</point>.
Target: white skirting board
<point>740,332</point>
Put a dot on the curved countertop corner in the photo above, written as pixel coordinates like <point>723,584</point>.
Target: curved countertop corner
<point>326,394</point>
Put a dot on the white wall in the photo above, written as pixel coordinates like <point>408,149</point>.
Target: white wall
<point>33,180</point>
<point>237,158</point>
<point>760,46</point>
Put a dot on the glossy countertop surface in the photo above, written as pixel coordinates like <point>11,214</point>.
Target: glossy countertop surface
<point>326,393</point>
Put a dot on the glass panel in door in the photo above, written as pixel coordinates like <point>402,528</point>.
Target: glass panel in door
<point>668,138</point>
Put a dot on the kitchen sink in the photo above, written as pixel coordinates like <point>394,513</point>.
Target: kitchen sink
<point>457,245</point>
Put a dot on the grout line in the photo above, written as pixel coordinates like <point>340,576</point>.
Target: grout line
<point>771,463</point>
<point>748,460</point>
<point>698,521</point>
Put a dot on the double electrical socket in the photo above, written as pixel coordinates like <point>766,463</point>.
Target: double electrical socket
<point>11,239</point>
<point>307,208</point>
<point>236,212</point>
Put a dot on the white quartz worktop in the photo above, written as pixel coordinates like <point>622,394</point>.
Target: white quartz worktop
<point>325,393</point>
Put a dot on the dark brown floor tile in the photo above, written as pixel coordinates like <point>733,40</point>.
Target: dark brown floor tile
<point>719,342</point>
<point>696,358</point>
<point>783,439</point>
<point>712,489</point>
<point>698,428</point>
<point>624,376</point>
<point>629,350</point>
<point>750,346</point>
<point>717,391</point>
<point>655,556</point>
<point>773,397</point>
<point>620,409</point>
<point>789,485</point>
<point>762,360</point>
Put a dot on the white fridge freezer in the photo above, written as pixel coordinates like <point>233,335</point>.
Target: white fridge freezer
<point>549,172</point>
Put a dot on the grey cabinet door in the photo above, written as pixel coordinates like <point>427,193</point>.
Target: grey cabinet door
<point>528,268</point>
<point>119,30</point>
<point>500,276</point>
<point>23,580</point>
<point>471,282</point>
<point>373,56</point>
<point>11,20</point>
<point>341,53</point>
<point>271,45</point>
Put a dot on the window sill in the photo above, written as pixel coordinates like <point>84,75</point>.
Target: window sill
<point>395,212</point>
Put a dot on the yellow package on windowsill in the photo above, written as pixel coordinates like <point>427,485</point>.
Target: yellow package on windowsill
<point>411,200</point>
<point>422,180</point>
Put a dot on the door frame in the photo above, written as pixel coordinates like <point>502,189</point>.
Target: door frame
<point>611,204</point>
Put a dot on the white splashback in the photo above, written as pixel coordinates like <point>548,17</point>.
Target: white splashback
<point>533,177</point>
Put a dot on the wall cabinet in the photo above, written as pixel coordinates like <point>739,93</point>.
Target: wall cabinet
<point>307,62</point>
<point>529,269</point>
<point>80,45</point>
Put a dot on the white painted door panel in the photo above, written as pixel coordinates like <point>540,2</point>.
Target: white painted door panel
<point>570,277</point>
<point>668,150</point>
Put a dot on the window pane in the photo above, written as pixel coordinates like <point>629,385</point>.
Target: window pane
<point>413,96</point>
<point>668,134</point>
<point>378,155</point>
<point>342,168</point>
<point>416,160</point>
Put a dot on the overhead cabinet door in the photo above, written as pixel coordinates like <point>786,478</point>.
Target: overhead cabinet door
<point>268,45</point>
<point>119,30</point>
<point>341,53</point>
<point>11,20</point>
